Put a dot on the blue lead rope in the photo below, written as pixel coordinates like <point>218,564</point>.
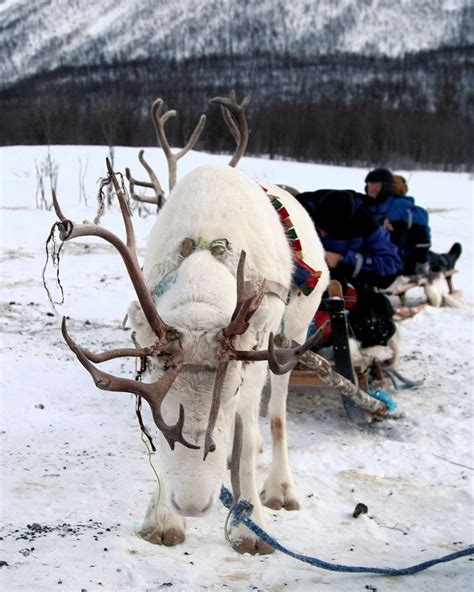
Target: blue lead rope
<point>243,510</point>
<point>384,397</point>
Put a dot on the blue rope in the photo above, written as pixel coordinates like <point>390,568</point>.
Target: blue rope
<point>384,397</point>
<point>241,514</point>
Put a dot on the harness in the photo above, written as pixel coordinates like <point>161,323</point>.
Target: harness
<point>305,278</point>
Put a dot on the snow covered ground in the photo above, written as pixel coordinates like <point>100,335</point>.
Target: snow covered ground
<point>75,473</point>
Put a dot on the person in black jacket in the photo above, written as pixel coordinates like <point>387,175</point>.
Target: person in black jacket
<point>358,249</point>
<point>359,254</point>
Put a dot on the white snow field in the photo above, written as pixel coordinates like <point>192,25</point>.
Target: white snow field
<point>75,474</point>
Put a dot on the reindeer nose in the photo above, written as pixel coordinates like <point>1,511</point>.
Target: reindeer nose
<point>191,508</point>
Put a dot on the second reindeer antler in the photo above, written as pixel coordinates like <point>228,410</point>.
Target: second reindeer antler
<point>234,116</point>
<point>159,122</point>
<point>235,119</point>
<point>172,158</point>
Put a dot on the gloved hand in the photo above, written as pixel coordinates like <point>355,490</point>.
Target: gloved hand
<point>422,268</point>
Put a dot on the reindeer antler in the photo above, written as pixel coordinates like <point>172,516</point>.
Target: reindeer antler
<point>234,116</point>
<point>153,393</point>
<point>167,343</point>
<point>159,197</point>
<point>68,231</point>
<point>159,122</point>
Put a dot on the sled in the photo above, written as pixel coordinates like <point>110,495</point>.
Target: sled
<point>358,412</point>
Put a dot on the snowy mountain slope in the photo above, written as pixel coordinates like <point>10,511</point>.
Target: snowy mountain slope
<point>75,473</point>
<point>43,35</point>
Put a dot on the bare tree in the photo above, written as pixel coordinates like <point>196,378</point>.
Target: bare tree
<point>46,171</point>
<point>82,175</point>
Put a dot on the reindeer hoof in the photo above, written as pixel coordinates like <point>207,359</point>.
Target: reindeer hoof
<point>291,505</point>
<point>252,546</point>
<point>282,495</point>
<point>169,538</point>
<point>150,536</point>
<point>277,504</point>
<point>274,503</point>
<point>173,537</point>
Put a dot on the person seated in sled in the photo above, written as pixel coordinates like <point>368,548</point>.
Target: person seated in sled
<point>408,224</point>
<point>360,255</point>
<point>358,249</point>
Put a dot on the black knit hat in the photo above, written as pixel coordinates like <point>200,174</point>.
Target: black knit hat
<point>384,176</point>
<point>379,175</point>
<point>334,212</point>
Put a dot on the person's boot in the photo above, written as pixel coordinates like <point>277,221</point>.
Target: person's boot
<point>454,253</point>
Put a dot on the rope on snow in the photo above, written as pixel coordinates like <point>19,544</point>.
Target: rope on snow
<point>241,514</point>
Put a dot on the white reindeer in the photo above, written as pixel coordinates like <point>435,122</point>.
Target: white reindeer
<point>215,286</point>
<point>218,205</point>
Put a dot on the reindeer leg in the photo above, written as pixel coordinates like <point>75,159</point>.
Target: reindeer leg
<point>161,526</point>
<point>243,540</point>
<point>279,489</point>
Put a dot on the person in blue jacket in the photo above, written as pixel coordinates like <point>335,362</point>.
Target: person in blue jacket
<point>407,223</point>
<point>359,253</point>
<point>358,249</point>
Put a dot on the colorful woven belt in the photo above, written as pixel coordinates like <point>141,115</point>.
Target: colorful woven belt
<point>305,278</point>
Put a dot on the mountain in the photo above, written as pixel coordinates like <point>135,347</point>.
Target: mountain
<point>41,36</point>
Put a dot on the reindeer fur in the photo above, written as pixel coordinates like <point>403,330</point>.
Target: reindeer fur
<point>215,202</point>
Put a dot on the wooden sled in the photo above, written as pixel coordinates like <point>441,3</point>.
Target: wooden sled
<point>357,403</point>
<point>357,409</point>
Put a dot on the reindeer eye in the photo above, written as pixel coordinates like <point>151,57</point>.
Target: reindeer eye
<point>187,247</point>
<point>216,251</point>
<point>219,247</point>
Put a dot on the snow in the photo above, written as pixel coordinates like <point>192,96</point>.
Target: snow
<point>76,470</point>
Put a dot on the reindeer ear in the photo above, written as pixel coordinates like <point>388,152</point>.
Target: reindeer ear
<point>135,316</point>
<point>142,335</point>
